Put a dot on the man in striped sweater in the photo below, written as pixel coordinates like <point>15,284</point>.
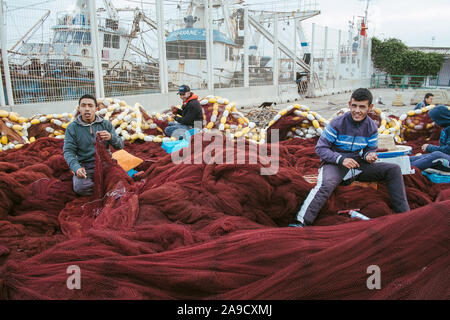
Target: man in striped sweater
<point>347,150</point>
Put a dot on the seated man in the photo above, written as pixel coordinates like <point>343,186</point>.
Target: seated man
<point>79,143</point>
<point>348,143</point>
<point>426,101</point>
<point>438,156</point>
<point>190,112</point>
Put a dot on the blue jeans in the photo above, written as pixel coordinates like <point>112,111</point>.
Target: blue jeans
<point>176,130</point>
<point>425,161</point>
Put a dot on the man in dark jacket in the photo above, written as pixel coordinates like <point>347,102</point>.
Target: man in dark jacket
<point>79,143</point>
<point>190,112</point>
<point>347,148</point>
<point>438,157</point>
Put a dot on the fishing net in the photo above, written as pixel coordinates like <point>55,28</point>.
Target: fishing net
<point>416,124</point>
<point>211,231</point>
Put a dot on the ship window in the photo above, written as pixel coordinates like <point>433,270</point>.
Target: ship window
<point>87,38</point>
<point>194,50</point>
<point>78,37</point>
<point>69,37</point>
<point>61,38</point>
<point>57,36</point>
<point>106,40</point>
<point>115,41</point>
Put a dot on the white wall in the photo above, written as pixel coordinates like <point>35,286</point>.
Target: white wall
<point>252,96</point>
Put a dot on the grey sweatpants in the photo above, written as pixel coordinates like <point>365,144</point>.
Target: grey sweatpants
<point>331,175</point>
<point>85,186</point>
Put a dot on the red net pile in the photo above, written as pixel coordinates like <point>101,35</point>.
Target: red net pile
<point>209,231</point>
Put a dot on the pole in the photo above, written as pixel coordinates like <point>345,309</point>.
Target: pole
<point>338,65</point>
<point>163,76</point>
<point>2,92</point>
<point>275,50</point>
<point>246,48</point>
<point>209,44</point>
<point>369,57</point>
<point>9,92</point>
<point>294,64</point>
<point>325,49</point>
<point>96,54</point>
<point>311,63</point>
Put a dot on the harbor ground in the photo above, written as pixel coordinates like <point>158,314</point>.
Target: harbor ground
<point>326,106</point>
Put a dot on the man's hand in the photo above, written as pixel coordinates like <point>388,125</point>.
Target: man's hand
<point>371,157</point>
<point>105,135</point>
<point>81,173</point>
<point>424,147</point>
<point>350,163</point>
<point>174,109</point>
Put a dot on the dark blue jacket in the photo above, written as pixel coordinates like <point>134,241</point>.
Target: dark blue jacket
<point>441,116</point>
<point>345,138</point>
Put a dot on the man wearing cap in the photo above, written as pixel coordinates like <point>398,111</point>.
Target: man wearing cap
<point>190,112</point>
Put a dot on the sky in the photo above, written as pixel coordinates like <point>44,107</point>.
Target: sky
<point>414,22</point>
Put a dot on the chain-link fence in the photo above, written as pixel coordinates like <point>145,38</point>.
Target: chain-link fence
<point>341,59</point>
<point>52,54</point>
<point>51,50</point>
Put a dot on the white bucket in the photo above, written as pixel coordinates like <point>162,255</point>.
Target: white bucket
<point>402,161</point>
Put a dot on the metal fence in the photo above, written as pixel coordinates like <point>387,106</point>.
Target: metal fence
<point>341,60</point>
<point>61,49</point>
<point>404,81</point>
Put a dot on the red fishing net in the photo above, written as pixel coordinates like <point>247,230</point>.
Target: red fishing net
<point>209,231</point>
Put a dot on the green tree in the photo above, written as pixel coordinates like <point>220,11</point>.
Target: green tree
<point>393,56</point>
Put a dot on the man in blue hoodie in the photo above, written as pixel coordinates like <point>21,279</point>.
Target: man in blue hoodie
<point>438,156</point>
<point>347,148</point>
<point>79,143</point>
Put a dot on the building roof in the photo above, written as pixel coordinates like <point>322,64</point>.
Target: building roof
<point>442,50</point>
<point>197,34</point>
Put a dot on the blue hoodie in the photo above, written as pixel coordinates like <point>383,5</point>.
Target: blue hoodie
<point>344,138</point>
<point>441,116</point>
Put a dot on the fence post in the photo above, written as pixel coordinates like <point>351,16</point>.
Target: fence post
<point>338,64</point>
<point>96,54</point>
<point>294,64</point>
<point>311,64</point>
<point>209,44</point>
<point>246,48</point>
<point>275,51</point>
<point>9,91</point>
<point>369,57</point>
<point>325,64</point>
<point>2,93</point>
<point>163,76</point>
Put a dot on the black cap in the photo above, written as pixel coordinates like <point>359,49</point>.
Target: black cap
<point>183,89</point>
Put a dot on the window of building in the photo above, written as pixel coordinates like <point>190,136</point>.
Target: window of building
<point>87,38</point>
<point>69,37</point>
<point>107,40</point>
<point>194,50</point>
<point>78,37</point>
<point>115,41</point>
<point>61,37</point>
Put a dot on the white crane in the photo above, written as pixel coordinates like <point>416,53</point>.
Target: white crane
<point>112,12</point>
